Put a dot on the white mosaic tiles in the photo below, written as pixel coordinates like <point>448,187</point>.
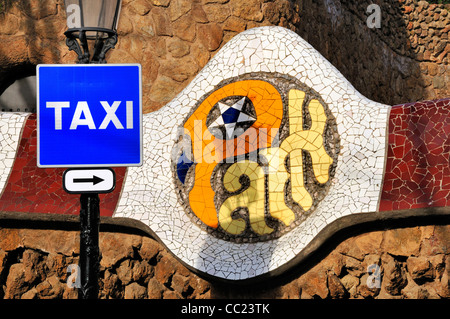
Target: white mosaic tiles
<point>149,192</point>
<point>10,128</point>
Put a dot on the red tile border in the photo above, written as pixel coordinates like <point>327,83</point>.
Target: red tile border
<point>417,171</point>
<point>36,190</point>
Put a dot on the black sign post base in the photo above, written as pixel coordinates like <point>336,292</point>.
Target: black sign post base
<point>89,248</point>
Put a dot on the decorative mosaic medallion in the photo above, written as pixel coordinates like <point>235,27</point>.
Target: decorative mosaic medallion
<point>266,147</point>
<point>257,155</point>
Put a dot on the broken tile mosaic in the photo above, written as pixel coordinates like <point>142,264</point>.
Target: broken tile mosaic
<point>218,236</point>
<point>31,189</point>
<point>264,212</point>
<point>418,159</point>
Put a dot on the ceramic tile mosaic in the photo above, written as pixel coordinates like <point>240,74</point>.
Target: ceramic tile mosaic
<point>265,148</point>
<point>10,127</point>
<point>228,215</point>
<point>418,159</point>
<point>32,189</point>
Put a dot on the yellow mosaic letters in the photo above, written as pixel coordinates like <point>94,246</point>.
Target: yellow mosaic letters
<point>277,179</point>
<point>299,140</point>
<point>252,198</point>
<point>309,140</point>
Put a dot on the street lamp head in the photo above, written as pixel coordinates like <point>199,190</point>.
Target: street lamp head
<point>92,21</point>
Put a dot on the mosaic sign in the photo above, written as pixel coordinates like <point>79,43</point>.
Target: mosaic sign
<point>264,149</point>
<point>256,157</point>
<point>267,153</point>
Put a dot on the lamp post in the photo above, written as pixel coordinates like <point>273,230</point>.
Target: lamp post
<point>95,22</point>
<point>92,21</point>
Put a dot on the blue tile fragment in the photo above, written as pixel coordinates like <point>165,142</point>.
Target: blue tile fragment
<point>183,165</point>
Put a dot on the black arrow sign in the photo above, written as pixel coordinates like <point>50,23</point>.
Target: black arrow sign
<point>95,180</point>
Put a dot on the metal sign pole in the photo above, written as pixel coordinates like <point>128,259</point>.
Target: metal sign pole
<point>89,248</point>
<point>89,182</point>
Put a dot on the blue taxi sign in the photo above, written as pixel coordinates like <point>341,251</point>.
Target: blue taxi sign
<point>89,115</point>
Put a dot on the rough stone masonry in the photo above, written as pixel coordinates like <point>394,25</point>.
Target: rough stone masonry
<point>414,263</point>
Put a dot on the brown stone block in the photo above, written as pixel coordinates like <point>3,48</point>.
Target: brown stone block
<point>10,239</point>
<point>155,289</point>
<point>135,291</point>
<point>165,270</point>
<point>149,248</point>
<point>272,12</point>
<point>394,277</point>
<point>13,51</point>
<point>9,24</point>
<point>125,26</point>
<point>179,70</point>
<point>210,35</point>
<point>161,3</point>
<point>248,10</point>
<point>38,9</point>
<point>200,54</point>
<point>150,66</point>
<point>141,7</point>
<point>179,8</point>
<point>178,48</point>
<point>162,23</point>
<point>314,283</point>
<point>198,13</point>
<point>117,246</point>
<point>164,89</point>
<point>402,241</point>
<point>50,288</point>
<point>337,289</point>
<point>419,268</point>
<point>217,12</point>
<point>437,242</point>
<point>184,28</point>
<point>15,282</point>
<point>234,24</point>
<point>59,241</point>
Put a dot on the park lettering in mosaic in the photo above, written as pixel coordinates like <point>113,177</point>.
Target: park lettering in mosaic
<point>256,157</point>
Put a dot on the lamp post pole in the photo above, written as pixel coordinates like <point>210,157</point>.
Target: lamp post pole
<point>96,21</point>
<point>89,248</point>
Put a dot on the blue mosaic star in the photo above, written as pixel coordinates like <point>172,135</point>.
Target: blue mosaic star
<point>230,117</point>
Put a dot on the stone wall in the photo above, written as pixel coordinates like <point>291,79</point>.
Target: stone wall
<point>414,263</point>
<point>405,60</point>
